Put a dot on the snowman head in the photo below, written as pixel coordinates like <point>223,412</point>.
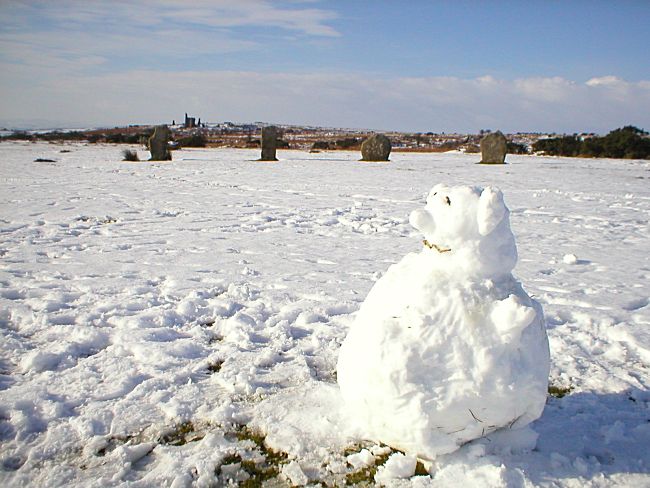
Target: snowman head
<point>467,230</point>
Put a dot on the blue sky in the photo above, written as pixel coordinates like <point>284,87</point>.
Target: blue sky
<point>419,65</point>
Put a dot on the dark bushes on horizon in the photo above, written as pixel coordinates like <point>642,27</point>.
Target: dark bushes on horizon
<point>54,136</point>
<point>320,146</point>
<point>193,140</point>
<point>19,136</point>
<point>516,148</point>
<point>128,138</point>
<point>281,144</point>
<point>628,142</point>
<point>348,143</point>
<point>92,137</point>
<point>63,136</point>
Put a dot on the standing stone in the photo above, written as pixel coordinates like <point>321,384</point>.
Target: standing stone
<point>493,148</point>
<point>269,143</point>
<point>158,144</point>
<point>376,148</point>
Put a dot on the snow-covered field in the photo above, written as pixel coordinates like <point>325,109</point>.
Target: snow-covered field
<point>179,323</point>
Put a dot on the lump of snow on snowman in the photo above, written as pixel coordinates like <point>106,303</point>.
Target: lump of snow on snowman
<point>448,347</point>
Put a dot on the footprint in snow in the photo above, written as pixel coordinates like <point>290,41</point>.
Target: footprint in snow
<point>636,304</point>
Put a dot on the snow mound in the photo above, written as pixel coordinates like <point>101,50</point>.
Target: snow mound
<point>448,347</point>
<point>398,466</point>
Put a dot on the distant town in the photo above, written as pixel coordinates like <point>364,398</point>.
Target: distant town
<point>192,132</point>
<point>311,138</point>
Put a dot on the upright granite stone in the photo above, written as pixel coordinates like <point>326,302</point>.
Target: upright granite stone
<point>269,143</point>
<point>376,148</point>
<point>493,148</point>
<point>158,144</point>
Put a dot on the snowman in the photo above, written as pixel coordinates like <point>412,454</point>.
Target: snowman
<point>447,347</point>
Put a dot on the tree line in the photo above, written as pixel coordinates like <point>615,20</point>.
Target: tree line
<point>628,142</point>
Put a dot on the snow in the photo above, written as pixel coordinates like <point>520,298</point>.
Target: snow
<point>570,259</point>
<point>361,459</point>
<point>447,347</point>
<point>293,473</point>
<point>397,466</point>
<point>159,320</point>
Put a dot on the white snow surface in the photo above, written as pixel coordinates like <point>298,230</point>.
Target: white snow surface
<point>155,315</point>
<point>448,347</point>
<point>398,466</point>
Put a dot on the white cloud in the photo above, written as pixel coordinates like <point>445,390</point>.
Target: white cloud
<point>546,90</point>
<point>213,13</point>
<point>78,50</point>
<point>226,13</point>
<point>605,81</point>
<point>345,100</point>
<point>73,35</point>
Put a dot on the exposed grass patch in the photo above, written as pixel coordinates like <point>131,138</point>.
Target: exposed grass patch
<point>180,434</point>
<point>96,220</point>
<point>258,471</point>
<point>215,338</point>
<point>366,476</point>
<point>215,367</point>
<point>244,433</point>
<point>118,440</point>
<point>559,391</point>
<point>420,470</point>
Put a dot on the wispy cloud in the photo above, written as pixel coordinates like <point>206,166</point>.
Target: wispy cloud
<point>350,100</point>
<point>256,13</point>
<point>76,51</point>
<point>146,33</point>
<point>210,13</point>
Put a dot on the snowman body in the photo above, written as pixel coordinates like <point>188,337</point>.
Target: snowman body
<point>447,347</point>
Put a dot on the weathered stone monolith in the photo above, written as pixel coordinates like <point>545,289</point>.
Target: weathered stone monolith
<point>376,148</point>
<point>493,148</point>
<point>269,143</point>
<point>158,144</point>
